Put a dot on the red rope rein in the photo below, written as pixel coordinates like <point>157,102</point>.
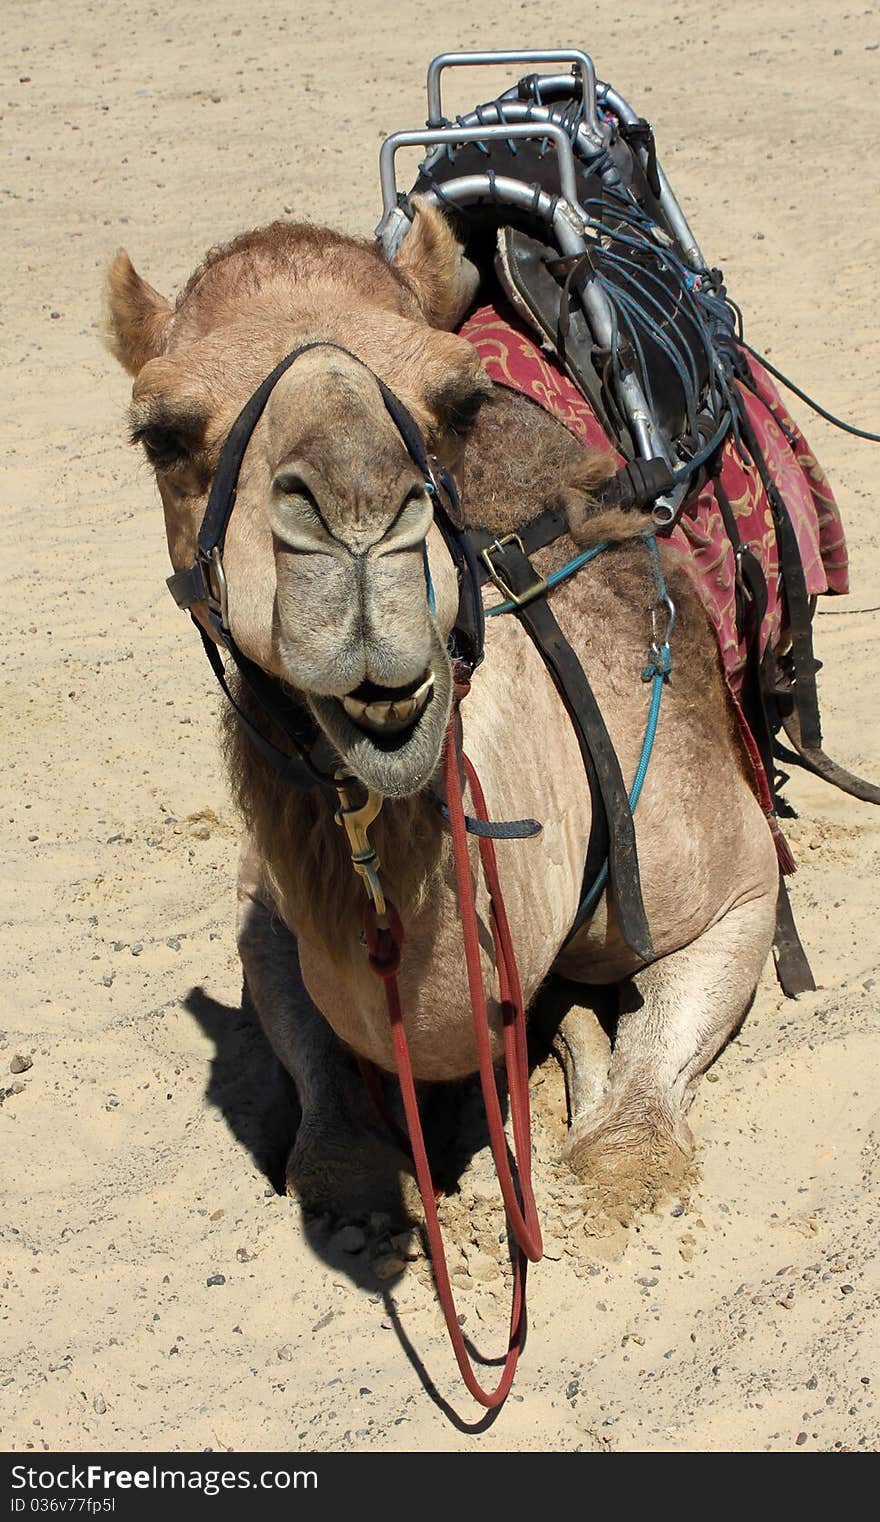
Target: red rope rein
<point>385,944</point>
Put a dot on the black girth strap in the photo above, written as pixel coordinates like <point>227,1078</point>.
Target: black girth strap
<point>792,967</point>
<point>792,964</point>
<point>612,832</point>
<point>802,726</point>
<point>796,598</point>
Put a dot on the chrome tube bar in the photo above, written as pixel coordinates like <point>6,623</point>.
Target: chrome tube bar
<point>516,111</point>
<point>455,136</point>
<point>574,56</point>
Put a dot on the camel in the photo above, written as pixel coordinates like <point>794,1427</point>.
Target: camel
<point>327,594</point>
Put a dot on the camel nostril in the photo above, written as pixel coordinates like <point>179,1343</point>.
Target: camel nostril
<point>289,484</point>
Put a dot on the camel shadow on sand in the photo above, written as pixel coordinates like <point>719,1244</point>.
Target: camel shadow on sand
<point>258,1102</point>
<point>257,1099</point>
<point>247,1084</point>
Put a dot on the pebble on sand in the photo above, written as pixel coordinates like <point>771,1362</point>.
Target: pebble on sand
<point>215,1279</point>
<point>99,1405</point>
<point>388,1268</point>
<point>20,1063</point>
<point>349,1239</point>
<point>481,1266</point>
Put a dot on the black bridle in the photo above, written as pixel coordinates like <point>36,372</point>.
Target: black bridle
<point>205,581</point>
<point>309,759</point>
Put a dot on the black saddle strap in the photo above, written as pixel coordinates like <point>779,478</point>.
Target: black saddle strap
<point>792,968</point>
<point>612,833</point>
<point>751,610</point>
<point>637,484</point>
<point>816,761</point>
<point>641,133</point>
<point>797,601</point>
<point>792,965</point>
<point>803,726</point>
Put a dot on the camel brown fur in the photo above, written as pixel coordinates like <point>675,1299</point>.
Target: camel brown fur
<point>327,592</point>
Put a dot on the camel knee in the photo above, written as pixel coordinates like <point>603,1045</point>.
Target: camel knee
<point>349,1171</point>
<point>633,1153</point>
<point>677,1015</point>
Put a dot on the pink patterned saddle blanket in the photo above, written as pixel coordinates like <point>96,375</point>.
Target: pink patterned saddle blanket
<point>512,358</point>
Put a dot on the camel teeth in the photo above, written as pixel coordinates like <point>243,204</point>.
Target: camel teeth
<point>354,708</point>
<point>404,709</point>
<point>420,696</point>
<point>391,716</point>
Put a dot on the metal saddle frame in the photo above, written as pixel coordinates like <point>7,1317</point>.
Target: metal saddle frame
<point>556,187</point>
<point>607,201</point>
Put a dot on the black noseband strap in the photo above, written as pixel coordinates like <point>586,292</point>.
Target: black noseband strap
<point>205,581</point>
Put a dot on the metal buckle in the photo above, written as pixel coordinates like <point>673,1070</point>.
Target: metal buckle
<point>669,606</point>
<point>218,601</point>
<point>519,599</point>
<point>356,820</point>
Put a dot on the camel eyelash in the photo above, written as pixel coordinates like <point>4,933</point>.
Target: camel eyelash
<point>164,447</point>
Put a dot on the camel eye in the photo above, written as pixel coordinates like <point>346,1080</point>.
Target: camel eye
<point>164,447</point>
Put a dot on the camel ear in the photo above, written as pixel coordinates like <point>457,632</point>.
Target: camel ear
<point>454,388</point>
<point>137,316</point>
<point>432,262</point>
<point>458,397</point>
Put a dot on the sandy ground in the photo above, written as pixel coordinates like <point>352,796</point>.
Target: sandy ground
<point>134,1144</point>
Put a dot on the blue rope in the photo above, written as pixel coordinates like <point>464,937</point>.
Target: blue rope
<point>656,671</point>
<point>554,579</point>
<point>859,433</point>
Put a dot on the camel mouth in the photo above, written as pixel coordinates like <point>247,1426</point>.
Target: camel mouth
<point>389,711</point>
<point>390,737</point>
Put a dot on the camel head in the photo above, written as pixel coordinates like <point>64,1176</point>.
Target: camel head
<point>325,550</point>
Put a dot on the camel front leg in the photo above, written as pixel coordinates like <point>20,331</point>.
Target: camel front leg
<point>341,1160</point>
<point>675,1016</point>
<point>568,1018</point>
